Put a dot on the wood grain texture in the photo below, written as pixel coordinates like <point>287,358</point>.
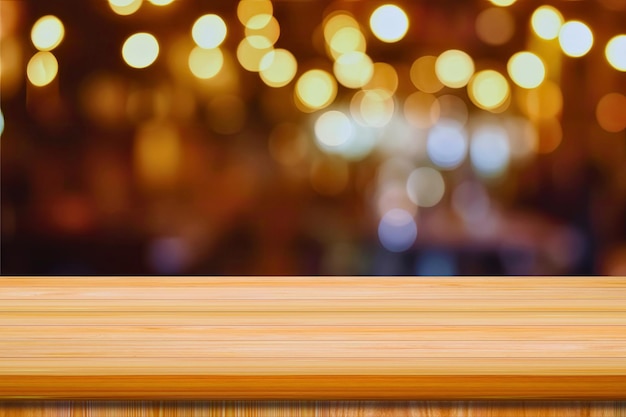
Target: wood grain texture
<point>312,409</point>
<point>313,338</point>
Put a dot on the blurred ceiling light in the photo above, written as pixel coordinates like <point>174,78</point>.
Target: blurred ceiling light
<point>125,7</point>
<point>278,68</point>
<point>354,69</point>
<point>611,112</point>
<point>205,63</point>
<point>1,122</point>
<point>488,89</point>
<point>503,3</point>
<point>42,69</point>
<point>209,31</point>
<point>615,52</point>
<point>140,50</point>
<point>425,187</point>
<point>251,51</point>
<point>316,89</point>
<point>265,26</point>
<point>246,9</point>
<point>389,23</point>
<point>526,69</point>
<point>47,33</point>
<point>423,75</point>
<point>454,68</point>
<point>422,110</point>
<point>161,2</point>
<point>495,26</point>
<point>546,22</point>
<point>575,38</point>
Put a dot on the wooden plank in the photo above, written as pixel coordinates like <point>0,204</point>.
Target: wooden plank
<point>317,337</point>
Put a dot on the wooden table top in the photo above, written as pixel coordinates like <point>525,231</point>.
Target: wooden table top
<point>313,337</point>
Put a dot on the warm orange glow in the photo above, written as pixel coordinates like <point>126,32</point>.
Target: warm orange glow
<point>611,112</point>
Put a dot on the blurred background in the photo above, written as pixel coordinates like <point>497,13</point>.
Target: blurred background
<point>303,137</point>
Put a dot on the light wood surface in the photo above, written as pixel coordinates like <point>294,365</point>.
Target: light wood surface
<point>312,337</point>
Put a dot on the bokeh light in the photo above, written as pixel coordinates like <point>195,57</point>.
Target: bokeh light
<point>346,39</point>
<point>161,2</point>
<point>471,202</point>
<point>526,69</point>
<point>205,63</point>
<point>546,22</point>
<point>372,108</point>
<point>316,89</point>
<point>125,7</point>
<point>47,33</point>
<point>447,145</point>
<point>1,122</point>
<point>489,150</point>
<point>251,51</point>
<point>611,112</point>
<point>278,68</point>
<point>389,23</point>
<point>397,230</point>
<point>495,26</point>
<point>615,52</point>
<point>502,3</point>
<point>422,110</point>
<point>353,69</point>
<point>332,129</point>
<point>550,135</point>
<point>425,187</point>
<point>488,89</point>
<point>423,75</point>
<point>575,38</point>
<point>168,255</point>
<point>543,102</point>
<point>247,9</point>
<point>454,68</point>
<point>140,50</point>
<point>384,79</point>
<point>209,31</point>
<point>453,110</point>
<point>42,69</point>
<point>336,22</point>
<point>261,29</point>
<point>157,154</point>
